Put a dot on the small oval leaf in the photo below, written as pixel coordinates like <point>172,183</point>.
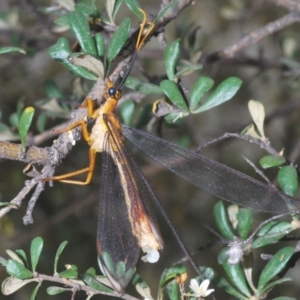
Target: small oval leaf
<point>134,6</point>
<point>95,284</point>
<point>70,273</point>
<point>170,273</point>
<point>100,44</point>
<point>173,290</point>
<point>171,55</point>
<point>222,220</point>
<point>237,277</point>
<point>61,52</point>
<point>271,233</point>
<point>245,221</point>
<point>12,284</point>
<point>201,87</point>
<point>119,39</point>
<point>58,253</point>
<point>288,180</point>
<point>141,86</point>
<point>270,161</point>
<point>24,125</point>
<point>35,251</point>
<point>55,290</point>
<point>165,10</point>
<point>274,266</point>
<point>172,91</point>
<point>17,270</point>
<point>224,92</point>
<point>80,27</point>
<point>34,292</point>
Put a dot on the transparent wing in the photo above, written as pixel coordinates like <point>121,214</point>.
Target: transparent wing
<point>211,176</point>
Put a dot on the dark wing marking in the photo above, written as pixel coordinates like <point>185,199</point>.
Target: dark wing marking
<point>118,246</point>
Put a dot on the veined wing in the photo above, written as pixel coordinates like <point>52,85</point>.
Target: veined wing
<point>126,222</point>
<point>211,176</point>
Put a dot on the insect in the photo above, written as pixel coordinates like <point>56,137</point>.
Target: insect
<point>126,220</point>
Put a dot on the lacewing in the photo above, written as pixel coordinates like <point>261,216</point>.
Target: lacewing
<point>126,220</point>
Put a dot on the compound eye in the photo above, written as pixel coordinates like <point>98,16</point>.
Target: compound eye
<point>112,91</point>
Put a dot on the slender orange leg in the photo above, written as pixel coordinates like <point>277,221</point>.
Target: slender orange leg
<point>89,170</point>
<point>92,153</point>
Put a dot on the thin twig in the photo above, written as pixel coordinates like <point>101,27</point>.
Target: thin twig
<point>253,37</point>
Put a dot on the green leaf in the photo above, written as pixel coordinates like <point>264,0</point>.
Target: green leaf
<point>62,20</point>
<point>224,92</point>
<point>55,290</point>
<point>271,233</point>
<point>245,221</point>
<point>201,87</point>
<point>87,9</point>
<point>70,273</point>
<point>35,251</point>
<point>11,49</point>
<point>141,86</point>
<point>270,161</point>
<point>171,55</point>
<point>91,271</point>
<point>172,91</point>
<point>52,90</point>
<point>237,277</point>
<point>127,111</point>
<point>274,266</point>
<point>24,125</point>
<point>187,70</point>
<point>61,52</point>
<point>276,282</point>
<point>165,10</point>
<point>100,44</point>
<point>118,40</point>
<point>17,270</point>
<point>80,27</point>
<point>229,289</point>
<point>33,295</point>
<point>134,6</point>
<point>95,284</point>
<point>22,255</point>
<point>222,220</point>
<point>117,7</point>
<point>15,256</point>
<point>172,290</point>
<point>288,180</point>
<point>41,122</point>
<point>169,274</point>
<point>58,253</point>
